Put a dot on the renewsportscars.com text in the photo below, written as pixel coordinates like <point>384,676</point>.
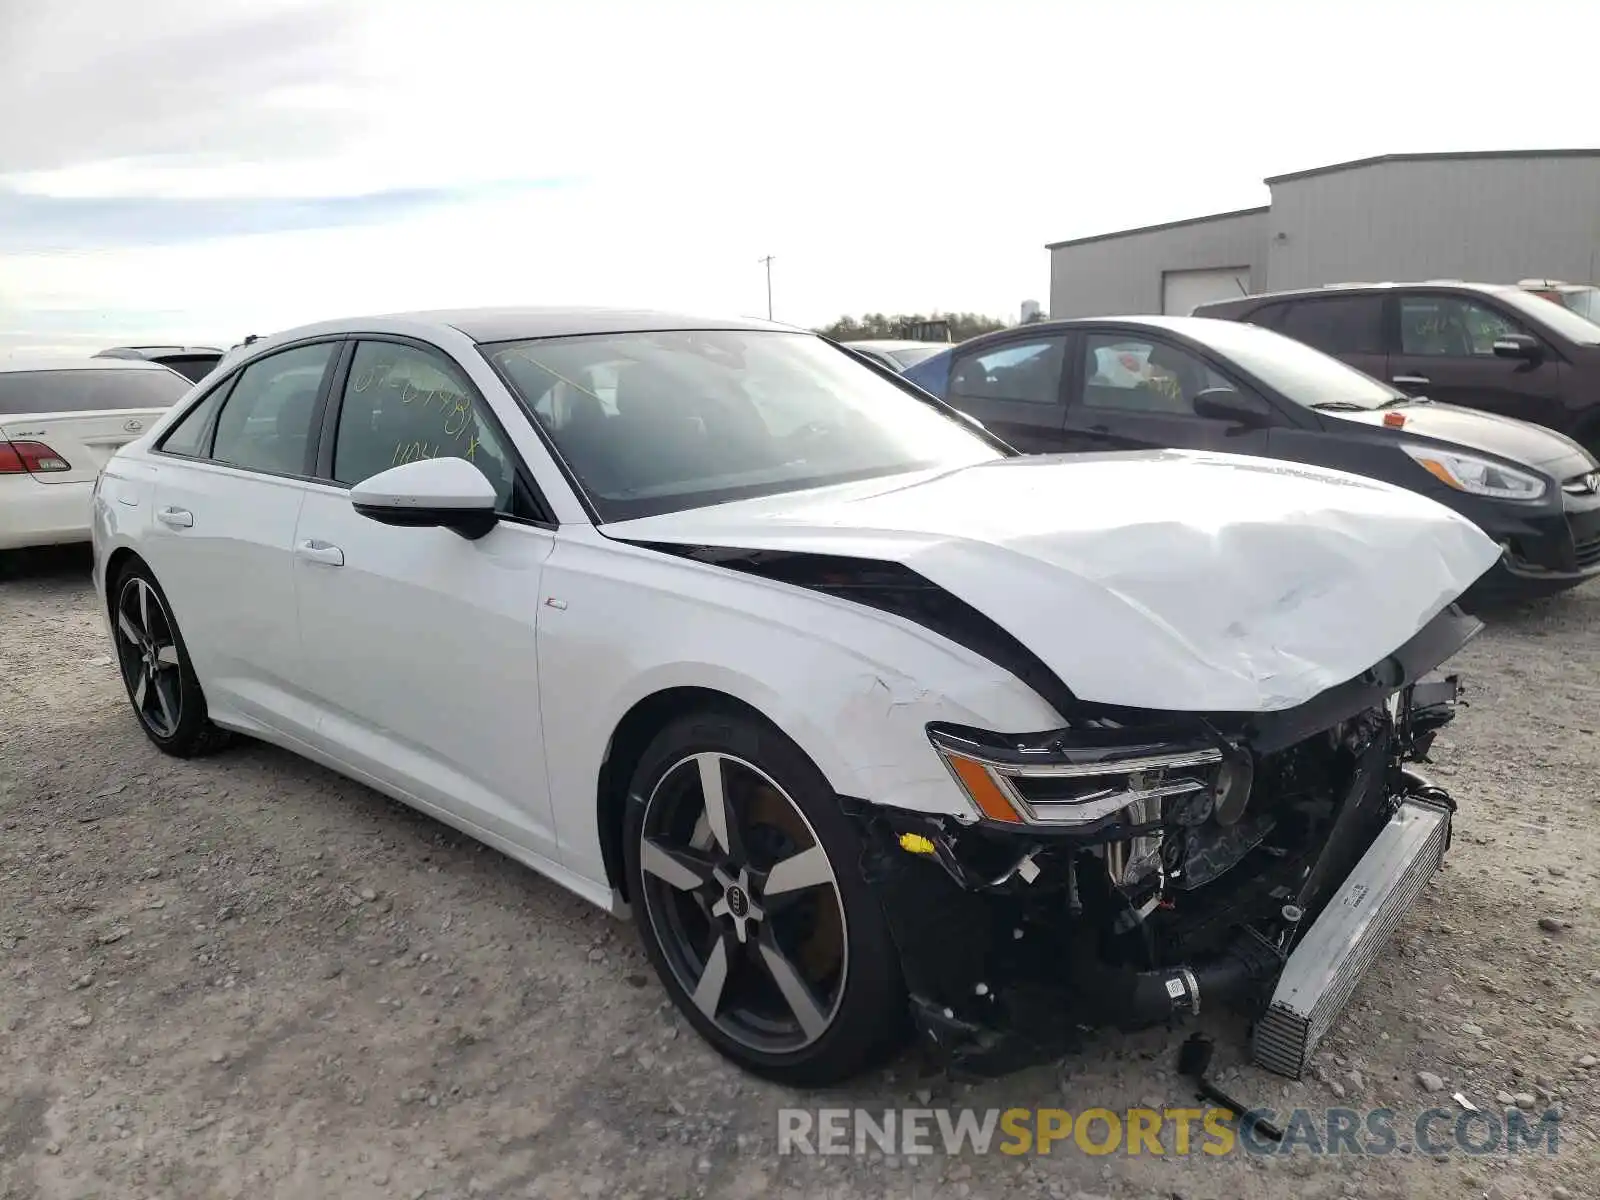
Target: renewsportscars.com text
<point>1169,1131</point>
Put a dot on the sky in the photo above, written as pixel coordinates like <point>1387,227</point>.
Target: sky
<point>196,170</point>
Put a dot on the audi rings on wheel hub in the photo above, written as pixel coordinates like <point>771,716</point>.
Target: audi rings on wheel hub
<point>743,902</point>
<point>147,649</point>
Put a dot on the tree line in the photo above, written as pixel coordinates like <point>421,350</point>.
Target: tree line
<point>901,325</point>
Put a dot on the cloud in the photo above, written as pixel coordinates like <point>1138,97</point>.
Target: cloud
<point>221,169</point>
<point>85,81</point>
<point>41,224</point>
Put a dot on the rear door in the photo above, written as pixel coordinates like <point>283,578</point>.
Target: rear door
<point>230,480</point>
<point>82,415</point>
<point>1135,391</point>
<point>1016,388</point>
<point>1445,351</point>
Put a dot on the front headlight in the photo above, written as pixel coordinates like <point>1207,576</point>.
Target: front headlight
<point>1047,781</point>
<point>1480,476</point>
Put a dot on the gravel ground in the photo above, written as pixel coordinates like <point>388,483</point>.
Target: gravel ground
<point>246,976</point>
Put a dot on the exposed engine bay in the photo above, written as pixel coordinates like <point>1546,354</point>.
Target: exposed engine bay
<point>1133,867</point>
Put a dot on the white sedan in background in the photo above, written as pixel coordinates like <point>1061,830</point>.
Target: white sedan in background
<point>60,420</point>
<point>863,716</point>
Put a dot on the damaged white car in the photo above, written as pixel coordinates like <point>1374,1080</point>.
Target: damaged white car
<point>870,722</point>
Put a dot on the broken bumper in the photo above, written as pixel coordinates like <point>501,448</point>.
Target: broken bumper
<point>1019,930</point>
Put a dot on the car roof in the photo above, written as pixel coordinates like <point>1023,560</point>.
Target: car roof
<point>1333,289</point>
<point>890,343</point>
<point>164,349</point>
<point>511,324</point>
<point>1191,326</point>
<point>81,364</point>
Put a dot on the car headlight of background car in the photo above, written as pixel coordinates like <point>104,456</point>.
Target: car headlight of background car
<point>1480,476</point>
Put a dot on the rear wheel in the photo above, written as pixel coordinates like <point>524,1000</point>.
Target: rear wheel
<point>160,681</point>
<point>744,878</point>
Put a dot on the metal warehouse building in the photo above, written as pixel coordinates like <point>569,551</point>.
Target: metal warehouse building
<point>1495,217</point>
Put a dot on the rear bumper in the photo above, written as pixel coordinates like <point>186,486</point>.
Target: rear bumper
<point>43,514</point>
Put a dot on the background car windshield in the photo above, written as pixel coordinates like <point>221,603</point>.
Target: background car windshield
<point>1585,301</point>
<point>87,390</point>
<point>1304,375</point>
<point>910,356</point>
<point>659,422</point>
<point>1559,317</point>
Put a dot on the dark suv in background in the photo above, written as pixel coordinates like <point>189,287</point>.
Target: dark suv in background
<point>1497,349</point>
<point>192,362</point>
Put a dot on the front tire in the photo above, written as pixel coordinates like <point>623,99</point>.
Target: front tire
<point>156,671</point>
<point>744,877</point>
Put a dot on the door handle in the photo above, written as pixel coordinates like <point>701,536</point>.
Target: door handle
<point>320,552</point>
<point>1410,381</point>
<point>177,518</point>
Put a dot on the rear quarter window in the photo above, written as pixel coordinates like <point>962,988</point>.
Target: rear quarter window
<point>87,390</point>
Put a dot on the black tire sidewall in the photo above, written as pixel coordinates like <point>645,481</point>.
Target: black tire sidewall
<point>872,1013</point>
<point>194,729</point>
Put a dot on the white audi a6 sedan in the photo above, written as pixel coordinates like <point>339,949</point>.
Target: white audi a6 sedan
<point>868,721</point>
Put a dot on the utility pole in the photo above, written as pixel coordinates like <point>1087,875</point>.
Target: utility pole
<point>768,261</point>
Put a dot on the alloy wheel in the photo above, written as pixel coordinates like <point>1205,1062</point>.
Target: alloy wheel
<point>743,902</point>
<point>147,648</point>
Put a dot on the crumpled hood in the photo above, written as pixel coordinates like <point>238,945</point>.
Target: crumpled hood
<point>1166,579</point>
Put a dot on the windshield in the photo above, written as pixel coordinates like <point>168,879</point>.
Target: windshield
<point>660,422</point>
<point>1583,301</point>
<point>910,356</point>
<point>1559,318</point>
<point>1304,375</point>
<point>88,390</point>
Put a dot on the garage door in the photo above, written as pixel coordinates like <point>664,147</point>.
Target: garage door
<point>1182,290</point>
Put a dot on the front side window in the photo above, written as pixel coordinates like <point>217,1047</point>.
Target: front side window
<point>403,403</point>
<point>88,389</point>
<point>265,423</point>
<point>1450,327</point>
<point>1016,373</point>
<point>1143,375</point>
<point>656,422</point>
<point>1337,324</point>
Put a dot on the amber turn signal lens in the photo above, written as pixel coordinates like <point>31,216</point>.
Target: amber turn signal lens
<point>985,793</point>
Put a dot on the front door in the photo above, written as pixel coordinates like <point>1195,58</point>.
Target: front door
<point>419,644</point>
<point>1015,389</point>
<point>1445,351</point>
<point>1134,391</point>
<point>228,485</point>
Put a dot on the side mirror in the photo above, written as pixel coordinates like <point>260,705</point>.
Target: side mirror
<point>1225,404</point>
<point>432,492</point>
<point>1518,345</point>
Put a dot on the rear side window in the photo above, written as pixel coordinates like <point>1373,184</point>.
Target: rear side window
<point>265,423</point>
<point>1016,373</point>
<point>1268,315</point>
<point>88,390</point>
<point>192,366</point>
<point>1337,325</point>
<point>190,435</point>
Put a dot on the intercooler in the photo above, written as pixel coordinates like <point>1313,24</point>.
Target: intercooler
<point>1341,945</point>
